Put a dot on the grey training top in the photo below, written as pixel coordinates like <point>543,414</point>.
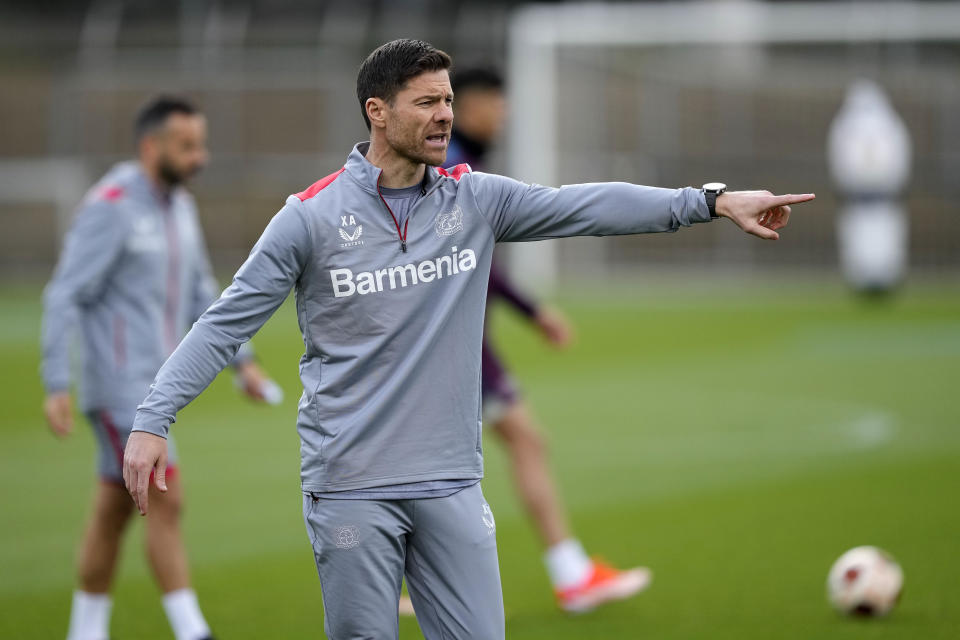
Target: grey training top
<point>134,274</point>
<point>391,369</point>
<point>400,201</point>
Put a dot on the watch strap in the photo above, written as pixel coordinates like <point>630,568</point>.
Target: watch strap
<point>711,198</point>
<point>711,191</point>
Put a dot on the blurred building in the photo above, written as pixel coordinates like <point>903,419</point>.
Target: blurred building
<point>277,80</point>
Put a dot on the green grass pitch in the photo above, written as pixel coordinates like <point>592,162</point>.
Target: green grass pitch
<point>734,439</point>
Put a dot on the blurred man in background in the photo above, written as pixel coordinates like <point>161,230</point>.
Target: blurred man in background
<point>579,583</point>
<point>133,275</point>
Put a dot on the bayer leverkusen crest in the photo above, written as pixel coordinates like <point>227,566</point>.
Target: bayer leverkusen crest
<point>450,223</point>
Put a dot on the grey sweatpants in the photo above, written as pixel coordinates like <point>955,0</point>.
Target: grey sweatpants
<point>446,548</point>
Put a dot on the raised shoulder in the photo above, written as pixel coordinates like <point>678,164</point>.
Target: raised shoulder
<point>318,186</point>
<point>455,172</point>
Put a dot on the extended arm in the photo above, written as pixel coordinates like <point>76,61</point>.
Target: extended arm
<point>518,212</point>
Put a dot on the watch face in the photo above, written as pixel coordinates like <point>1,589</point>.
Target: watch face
<point>716,187</point>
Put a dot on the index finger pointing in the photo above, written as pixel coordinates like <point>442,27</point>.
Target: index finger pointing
<point>779,201</point>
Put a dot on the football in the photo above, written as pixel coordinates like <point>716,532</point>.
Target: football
<point>865,581</point>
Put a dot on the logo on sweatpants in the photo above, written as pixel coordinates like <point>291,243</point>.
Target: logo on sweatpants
<point>488,519</point>
<point>346,537</point>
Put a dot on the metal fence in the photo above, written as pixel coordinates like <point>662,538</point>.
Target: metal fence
<point>276,80</point>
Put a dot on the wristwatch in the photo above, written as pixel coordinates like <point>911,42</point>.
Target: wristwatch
<point>710,191</point>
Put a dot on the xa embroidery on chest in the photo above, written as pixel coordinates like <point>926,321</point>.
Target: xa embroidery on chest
<point>350,232</point>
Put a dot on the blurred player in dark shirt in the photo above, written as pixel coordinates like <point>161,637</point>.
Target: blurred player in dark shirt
<point>580,583</point>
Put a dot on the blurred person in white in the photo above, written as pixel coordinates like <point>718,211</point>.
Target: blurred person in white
<point>579,582</point>
<point>133,276</point>
<point>869,155</point>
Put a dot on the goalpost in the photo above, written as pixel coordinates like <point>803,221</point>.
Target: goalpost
<point>541,34</point>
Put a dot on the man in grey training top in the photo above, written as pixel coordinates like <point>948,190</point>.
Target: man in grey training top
<point>133,276</point>
<point>390,256</point>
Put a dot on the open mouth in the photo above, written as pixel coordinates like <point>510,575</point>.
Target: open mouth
<point>438,139</point>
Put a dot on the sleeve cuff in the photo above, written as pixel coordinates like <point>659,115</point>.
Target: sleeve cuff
<point>56,387</point>
<point>697,205</point>
<point>55,378</point>
<point>151,422</point>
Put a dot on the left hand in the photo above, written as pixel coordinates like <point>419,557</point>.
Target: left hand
<point>759,213</point>
<point>144,453</point>
<point>58,409</point>
<point>554,326</point>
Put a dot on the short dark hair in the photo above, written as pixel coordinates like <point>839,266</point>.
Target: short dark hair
<point>153,115</point>
<point>481,77</point>
<point>387,69</point>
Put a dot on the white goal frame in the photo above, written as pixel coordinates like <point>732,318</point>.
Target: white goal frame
<point>538,31</point>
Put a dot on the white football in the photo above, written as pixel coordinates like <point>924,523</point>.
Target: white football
<point>865,581</point>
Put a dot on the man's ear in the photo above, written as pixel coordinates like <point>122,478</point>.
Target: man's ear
<point>376,111</point>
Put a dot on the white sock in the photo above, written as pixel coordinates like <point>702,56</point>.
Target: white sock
<point>567,564</point>
<point>184,615</point>
<point>89,616</point>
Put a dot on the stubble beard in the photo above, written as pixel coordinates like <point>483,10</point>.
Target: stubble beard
<point>408,150</point>
<point>172,176</point>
